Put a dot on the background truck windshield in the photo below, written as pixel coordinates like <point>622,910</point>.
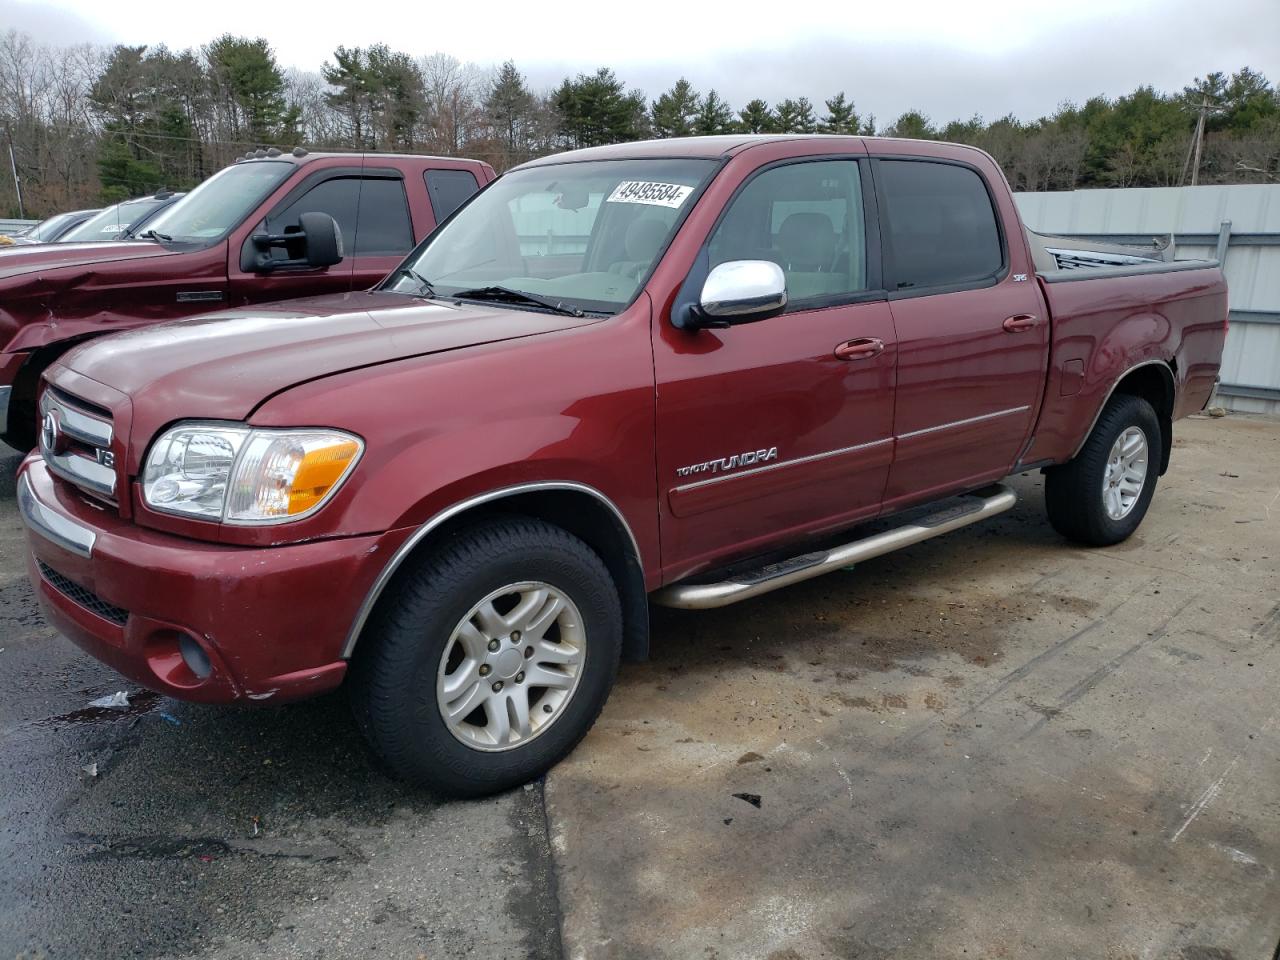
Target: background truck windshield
<point>586,234</point>
<point>110,223</point>
<point>222,202</point>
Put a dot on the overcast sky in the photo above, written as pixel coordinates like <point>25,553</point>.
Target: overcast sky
<point>948,58</point>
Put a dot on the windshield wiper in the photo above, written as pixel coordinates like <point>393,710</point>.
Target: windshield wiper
<point>149,235</point>
<point>425,286</point>
<point>502,294</point>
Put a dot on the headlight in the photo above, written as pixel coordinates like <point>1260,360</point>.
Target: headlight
<point>243,475</point>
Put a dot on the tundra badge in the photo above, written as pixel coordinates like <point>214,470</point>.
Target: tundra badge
<point>747,459</point>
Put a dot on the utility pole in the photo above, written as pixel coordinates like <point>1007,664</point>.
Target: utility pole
<point>1195,165</point>
<point>17,184</point>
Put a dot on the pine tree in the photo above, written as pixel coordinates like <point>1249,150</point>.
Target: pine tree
<point>756,117</point>
<point>349,79</point>
<point>914,125</point>
<point>676,111</point>
<point>714,117</point>
<point>596,109</point>
<point>245,71</point>
<point>796,116</point>
<point>397,99</point>
<point>509,108</point>
<point>841,116</point>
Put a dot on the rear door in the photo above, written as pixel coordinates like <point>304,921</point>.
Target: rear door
<point>764,431</point>
<point>973,334</point>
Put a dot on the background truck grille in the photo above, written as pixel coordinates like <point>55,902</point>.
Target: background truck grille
<point>75,441</point>
<point>83,596</point>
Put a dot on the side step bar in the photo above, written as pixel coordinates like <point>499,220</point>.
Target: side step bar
<point>703,596</point>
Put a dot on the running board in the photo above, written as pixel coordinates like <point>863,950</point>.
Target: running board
<point>703,596</point>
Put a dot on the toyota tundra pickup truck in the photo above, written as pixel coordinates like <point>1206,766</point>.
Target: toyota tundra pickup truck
<point>685,372</point>
<point>259,230</point>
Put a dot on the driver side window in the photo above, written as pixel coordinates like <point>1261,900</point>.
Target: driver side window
<point>337,197</point>
<point>807,218</point>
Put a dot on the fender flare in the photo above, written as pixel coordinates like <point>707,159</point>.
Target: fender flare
<point>448,513</point>
<point>1173,389</point>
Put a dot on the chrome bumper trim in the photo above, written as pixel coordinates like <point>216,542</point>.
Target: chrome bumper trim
<point>81,471</point>
<point>54,527</point>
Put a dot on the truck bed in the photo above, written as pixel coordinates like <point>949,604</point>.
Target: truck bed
<point>1116,311</point>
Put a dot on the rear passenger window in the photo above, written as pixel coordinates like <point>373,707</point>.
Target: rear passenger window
<point>448,190</point>
<point>941,225</point>
<point>807,218</point>
<point>384,219</point>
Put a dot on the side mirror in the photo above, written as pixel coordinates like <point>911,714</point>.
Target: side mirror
<point>742,291</point>
<point>315,244</point>
<point>323,239</point>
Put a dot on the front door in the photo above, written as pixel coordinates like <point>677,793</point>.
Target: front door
<point>763,431</point>
<point>373,214</point>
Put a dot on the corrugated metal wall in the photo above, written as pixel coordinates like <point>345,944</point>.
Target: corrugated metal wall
<point>1251,364</point>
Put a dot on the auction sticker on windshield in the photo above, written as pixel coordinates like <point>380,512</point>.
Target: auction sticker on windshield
<point>645,191</point>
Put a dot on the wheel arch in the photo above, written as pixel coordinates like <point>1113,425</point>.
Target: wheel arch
<point>576,507</point>
<point>26,386</point>
<point>1155,382</point>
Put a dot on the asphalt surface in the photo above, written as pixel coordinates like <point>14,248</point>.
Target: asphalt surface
<point>993,744</point>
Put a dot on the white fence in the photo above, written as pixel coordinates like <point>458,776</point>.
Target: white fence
<point>1239,225</point>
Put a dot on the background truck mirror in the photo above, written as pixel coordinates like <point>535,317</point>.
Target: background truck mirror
<point>315,243</point>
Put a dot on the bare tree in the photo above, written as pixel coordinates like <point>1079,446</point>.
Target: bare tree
<point>454,91</point>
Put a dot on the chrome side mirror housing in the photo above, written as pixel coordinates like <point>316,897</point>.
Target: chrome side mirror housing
<point>742,291</point>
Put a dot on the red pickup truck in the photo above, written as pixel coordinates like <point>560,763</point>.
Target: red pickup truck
<point>687,371</point>
<point>262,229</point>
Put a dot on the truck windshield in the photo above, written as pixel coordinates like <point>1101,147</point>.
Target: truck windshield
<point>582,235</point>
<point>43,231</point>
<point>211,210</point>
<point>110,223</point>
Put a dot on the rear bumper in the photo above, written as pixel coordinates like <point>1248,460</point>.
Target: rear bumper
<point>271,621</point>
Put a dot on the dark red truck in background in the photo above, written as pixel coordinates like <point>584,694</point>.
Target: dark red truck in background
<point>690,371</point>
<point>236,239</point>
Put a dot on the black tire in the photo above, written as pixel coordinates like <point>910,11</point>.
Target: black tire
<point>394,671</point>
<point>1073,492</point>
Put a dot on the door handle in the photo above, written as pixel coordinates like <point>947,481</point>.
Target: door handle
<point>1021,321</point>
<point>863,348</point>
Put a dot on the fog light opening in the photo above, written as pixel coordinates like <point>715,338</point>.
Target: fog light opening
<point>194,657</point>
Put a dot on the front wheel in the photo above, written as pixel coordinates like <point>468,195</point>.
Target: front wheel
<point>491,658</point>
<point>1101,496</point>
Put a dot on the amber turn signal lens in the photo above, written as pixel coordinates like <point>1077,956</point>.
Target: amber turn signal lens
<point>316,475</point>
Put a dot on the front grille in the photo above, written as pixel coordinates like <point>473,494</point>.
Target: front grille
<point>82,596</point>
<point>76,442</point>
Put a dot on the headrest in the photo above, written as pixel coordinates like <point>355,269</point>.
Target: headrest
<point>807,242</point>
<point>644,238</point>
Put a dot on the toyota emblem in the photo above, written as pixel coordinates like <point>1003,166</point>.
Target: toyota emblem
<point>50,433</point>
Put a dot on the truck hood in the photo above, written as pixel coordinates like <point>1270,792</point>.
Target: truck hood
<point>21,259</point>
<point>223,365</point>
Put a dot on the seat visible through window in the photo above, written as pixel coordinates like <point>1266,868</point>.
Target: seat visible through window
<point>807,218</point>
<point>643,240</point>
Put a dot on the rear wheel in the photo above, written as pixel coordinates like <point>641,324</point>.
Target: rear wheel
<point>1101,496</point>
<point>491,659</point>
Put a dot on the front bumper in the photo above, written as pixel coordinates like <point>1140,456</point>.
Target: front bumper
<point>271,621</point>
